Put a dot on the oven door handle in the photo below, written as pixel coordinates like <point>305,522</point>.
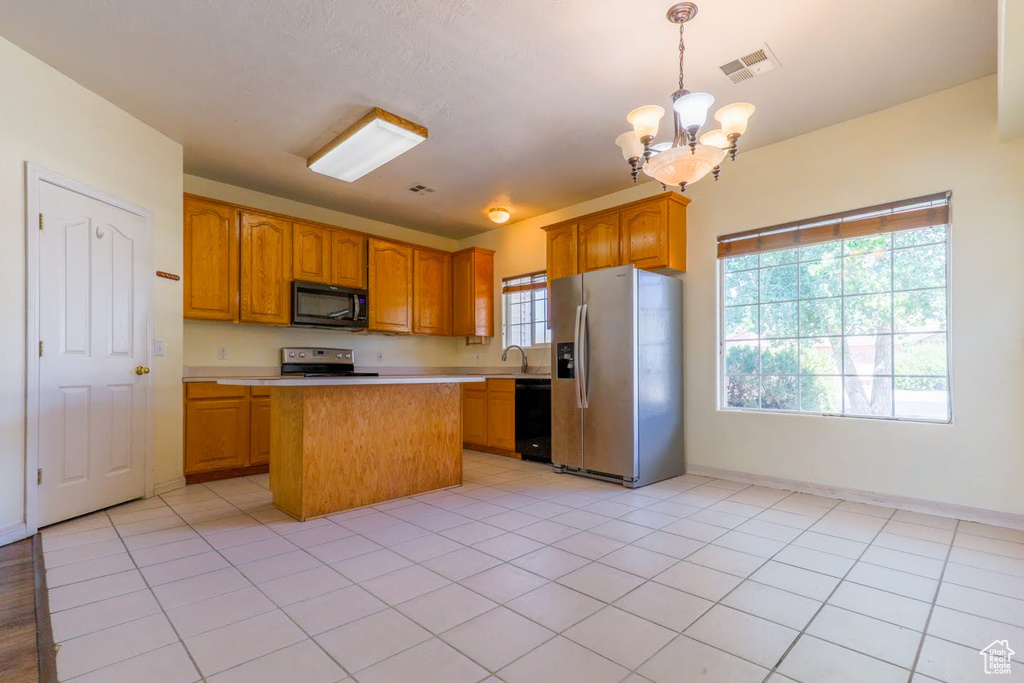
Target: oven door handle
<point>355,307</point>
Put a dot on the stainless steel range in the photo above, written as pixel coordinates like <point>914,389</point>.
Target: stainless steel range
<point>320,362</point>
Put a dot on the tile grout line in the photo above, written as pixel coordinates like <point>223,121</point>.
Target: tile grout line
<point>774,669</point>
<point>163,611</point>
<point>931,609</point>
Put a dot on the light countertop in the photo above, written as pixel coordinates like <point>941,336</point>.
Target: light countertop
<point>347,381</point>
<point>214,374</point>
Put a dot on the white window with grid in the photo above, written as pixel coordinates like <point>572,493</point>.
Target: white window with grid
<point>525,304</point>
<point>842,315</point>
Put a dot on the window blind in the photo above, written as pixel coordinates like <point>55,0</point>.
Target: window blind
<point>909,214</point>
<point>524,283</point>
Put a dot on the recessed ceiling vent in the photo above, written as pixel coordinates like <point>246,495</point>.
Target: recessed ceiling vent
<point>756,63</point>
<point>421,190</point>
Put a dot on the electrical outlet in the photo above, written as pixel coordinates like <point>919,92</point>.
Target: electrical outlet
<point>380,358</point>
<point>222,353</point>
<point>158,347</point>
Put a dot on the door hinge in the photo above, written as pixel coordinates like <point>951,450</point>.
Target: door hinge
<point>40,348</point>
<point>40,221</point>
<point>39,477</point>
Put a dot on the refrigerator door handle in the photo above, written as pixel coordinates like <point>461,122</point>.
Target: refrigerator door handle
<point>576,346</point>
<point>581,371</point>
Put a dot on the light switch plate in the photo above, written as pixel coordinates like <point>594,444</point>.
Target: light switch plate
<point>158,347</point>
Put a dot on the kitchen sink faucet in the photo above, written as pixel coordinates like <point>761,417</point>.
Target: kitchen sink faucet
<point>504,356</point>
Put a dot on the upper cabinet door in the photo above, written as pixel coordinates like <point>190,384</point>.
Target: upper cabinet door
<point>348,259</point>
<point>432,292</point>
<point>390,290</point>
<point>645,238</point>
<point>266,269</point>
<point>562,251</point>
<point>211,260</point>
<point>473,293</point>
<point>311,252</point>
<point>599,242</point>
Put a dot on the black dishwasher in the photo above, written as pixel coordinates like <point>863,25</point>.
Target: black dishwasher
<point>533,419</point>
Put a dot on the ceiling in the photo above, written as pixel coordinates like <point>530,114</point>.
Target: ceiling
<point>523,99</point>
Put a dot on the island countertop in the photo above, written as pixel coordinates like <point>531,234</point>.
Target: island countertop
<point>347,381</point>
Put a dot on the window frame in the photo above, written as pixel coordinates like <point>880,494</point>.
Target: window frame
<point>506,304</point>
<point>722,376</point>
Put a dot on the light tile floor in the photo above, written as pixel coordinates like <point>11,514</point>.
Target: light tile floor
<point>525,575</point>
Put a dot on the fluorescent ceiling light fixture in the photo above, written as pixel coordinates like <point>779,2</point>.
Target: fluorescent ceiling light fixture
<point>371,142</point>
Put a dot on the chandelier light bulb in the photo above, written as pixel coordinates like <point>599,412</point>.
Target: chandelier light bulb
<point>499,215</point>
<point>734,117</point>
<point>645,120</point>
<point>631,146</point>
<point>716,138</point>
<point>693,108</point>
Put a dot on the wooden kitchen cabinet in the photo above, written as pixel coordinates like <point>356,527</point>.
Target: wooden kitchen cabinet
<point>473,293</point>
<point>390,290</point>
<point>489,416</point>
<point>432,292</point>
<point>216,434</point>
<point>650,234</point>
<point>599,242</point>
<point>348,259</point>
<point>211,260</point>
<point>266,270</point>
<point>474,414</point>
<point>311,253</point>
<point>227,431</point>
<point>259,430</point>
<point>561,250</point>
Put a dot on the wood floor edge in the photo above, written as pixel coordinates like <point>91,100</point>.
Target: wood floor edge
<point>46,650</point>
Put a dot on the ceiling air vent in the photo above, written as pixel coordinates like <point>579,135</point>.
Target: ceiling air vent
<point>421,190</point>
<point>754,64</point>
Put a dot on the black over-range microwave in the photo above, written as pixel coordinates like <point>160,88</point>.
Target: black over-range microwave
<point>318,305</point>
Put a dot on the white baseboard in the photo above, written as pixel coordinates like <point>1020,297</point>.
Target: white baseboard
<point>165,487</point>
<point>928,507</point>
<point>12,533</point>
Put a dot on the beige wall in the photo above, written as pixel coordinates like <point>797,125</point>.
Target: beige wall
<point>259,345</point>
<point>51,121</point>
<point>946,141</point>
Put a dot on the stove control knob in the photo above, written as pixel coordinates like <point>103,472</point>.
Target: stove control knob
<point>302,355</point>
<point>291,354</point>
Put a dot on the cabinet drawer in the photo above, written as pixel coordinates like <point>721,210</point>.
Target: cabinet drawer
<point>259,392</point>
<point>194,390</point>
<point>501,385</point>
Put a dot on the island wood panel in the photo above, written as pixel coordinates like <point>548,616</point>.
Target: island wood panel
<point>210,283</point>
<point>432,292</point>
<point>311,253</point>
<point>266,280</point>
<point>348,259</point>
<point>408,440</point>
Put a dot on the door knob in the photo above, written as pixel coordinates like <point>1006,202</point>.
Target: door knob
<point>141,370</point>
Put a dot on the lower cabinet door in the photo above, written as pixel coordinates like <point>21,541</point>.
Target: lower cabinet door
<point>216,434</point>
<point>474,416</point>
<point>259,431</point>
<point>501,420</point>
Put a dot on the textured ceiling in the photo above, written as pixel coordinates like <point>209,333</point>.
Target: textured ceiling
<point>523,98</point>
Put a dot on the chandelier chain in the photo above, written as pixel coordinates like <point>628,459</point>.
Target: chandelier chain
<point>682,52</point>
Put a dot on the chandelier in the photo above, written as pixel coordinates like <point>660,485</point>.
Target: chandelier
<point>687,158</point>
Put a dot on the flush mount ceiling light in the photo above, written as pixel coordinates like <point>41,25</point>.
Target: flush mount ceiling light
<point>499,215</point>
<point>371,142</point>
<point>688,158</point>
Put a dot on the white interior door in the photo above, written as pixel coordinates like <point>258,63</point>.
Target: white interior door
<point>93,324</point>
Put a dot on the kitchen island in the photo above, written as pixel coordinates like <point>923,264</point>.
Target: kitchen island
<point>338,443</point>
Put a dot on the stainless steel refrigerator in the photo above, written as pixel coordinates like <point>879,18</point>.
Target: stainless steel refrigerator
<point>617,375</point>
